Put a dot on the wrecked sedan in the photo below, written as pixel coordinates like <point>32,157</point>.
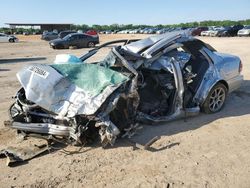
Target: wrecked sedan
<point>157,79</point>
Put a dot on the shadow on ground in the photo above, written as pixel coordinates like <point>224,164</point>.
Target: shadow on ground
<point>237,104</point>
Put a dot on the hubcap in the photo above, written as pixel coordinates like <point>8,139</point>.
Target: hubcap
<point>217,99</point>
<point>91,44</point>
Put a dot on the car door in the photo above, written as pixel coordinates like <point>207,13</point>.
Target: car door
<point>73,40</point>
<point>83,40</point>
<point>54,36</point>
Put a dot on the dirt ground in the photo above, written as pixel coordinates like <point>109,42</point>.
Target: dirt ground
<point>203,151</point>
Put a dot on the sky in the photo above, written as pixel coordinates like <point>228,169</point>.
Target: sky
<point>102,12</point>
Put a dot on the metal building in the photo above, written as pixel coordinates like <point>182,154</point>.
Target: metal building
<point>43,26</point>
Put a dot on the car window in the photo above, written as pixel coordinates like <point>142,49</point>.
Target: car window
<point>74,37</point>
<point>103,54</point>
<point>82,36</point>
<point>193,47</point>
<point>67,37</point>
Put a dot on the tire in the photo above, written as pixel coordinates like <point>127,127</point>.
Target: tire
<point>91,45</point>
<point>215,100</point>
<point>11,40</point>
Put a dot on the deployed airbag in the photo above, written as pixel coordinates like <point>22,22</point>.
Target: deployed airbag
<point>69,89</point>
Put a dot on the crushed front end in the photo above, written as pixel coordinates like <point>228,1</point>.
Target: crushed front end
<point>73,103</point>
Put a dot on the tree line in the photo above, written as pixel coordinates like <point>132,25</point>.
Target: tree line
<point>190,24</point>
<point>113,27</point>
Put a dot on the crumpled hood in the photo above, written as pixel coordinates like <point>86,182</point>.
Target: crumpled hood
<point>69,89</point>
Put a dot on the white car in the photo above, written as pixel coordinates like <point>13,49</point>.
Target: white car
<point>7,38</point>
<point>245,31</point>
<point>205,33</point>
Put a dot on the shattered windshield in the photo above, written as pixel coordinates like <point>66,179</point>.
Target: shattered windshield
<point>104,53</point>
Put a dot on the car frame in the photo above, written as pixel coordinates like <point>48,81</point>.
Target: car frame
<point>186,72</point>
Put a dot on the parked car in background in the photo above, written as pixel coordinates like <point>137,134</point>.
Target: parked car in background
<point>7,38</point>
<point>78,40</point>
<point>134,31</point>
<point>18,33</point>
<point>55,31</point>
<point>142,30</point>
<point>107,32</point>
<point>198,30</point>
<point>205,33</point>
<point>231,31</point>
<point>62,34</point>
<point>48,36</point>
<point>26,33</point>
<point>37,33</point>
<point>209,31</point>
<point>216,31</point>
<point>161,31</point>
<point>115,31</point>
<point>245,31</point>
<point>91,32</point>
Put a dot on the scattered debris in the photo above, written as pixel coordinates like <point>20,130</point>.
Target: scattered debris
<point>148,144</point>
<point>20,154</point>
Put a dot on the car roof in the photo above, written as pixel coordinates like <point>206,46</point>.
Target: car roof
<point>77,34</point>
<point>74,34</point>
<point>153,43</point>
<point>68,32</point>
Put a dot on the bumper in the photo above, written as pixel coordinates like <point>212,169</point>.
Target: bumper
<point>235,82</point>
<point>243,34</point>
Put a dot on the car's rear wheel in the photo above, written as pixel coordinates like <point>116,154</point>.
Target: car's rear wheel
<point>11,40</point>
<point>215,99</point>
<point>91,45</point>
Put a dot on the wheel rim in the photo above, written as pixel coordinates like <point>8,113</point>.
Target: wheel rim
<point>217,99</point>
<point>91,44</point>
